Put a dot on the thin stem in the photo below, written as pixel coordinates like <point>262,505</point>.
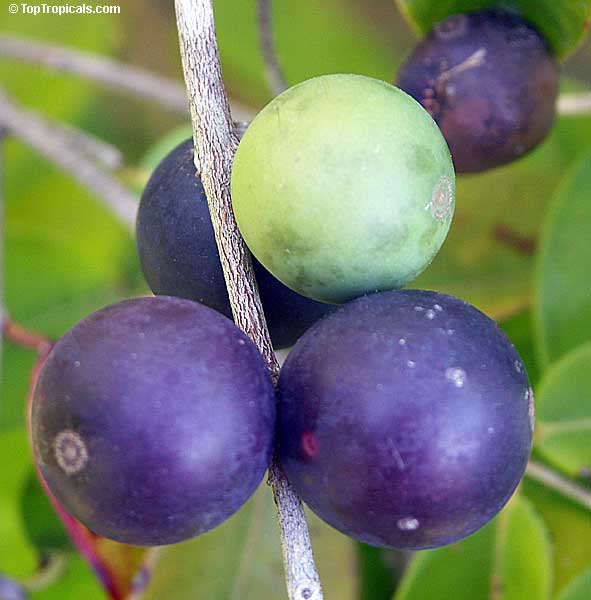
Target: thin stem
<point>557,482</point>
<point>273,69</point>
<point>19,336</point>
<point>40,134</point>
<point>574,104</point>
<point>82,538</point>
<point>113,74</point>
<point>101,152</point>
<point>215,145</point>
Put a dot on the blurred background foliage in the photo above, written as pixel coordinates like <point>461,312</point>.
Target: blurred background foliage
<point>519,249</point>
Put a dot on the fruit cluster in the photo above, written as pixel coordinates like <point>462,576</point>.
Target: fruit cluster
<point>404,418</point>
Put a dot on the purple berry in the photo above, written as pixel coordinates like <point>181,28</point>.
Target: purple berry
<point>153,420</point>
<point>489,81</point>
<point>10,590</point>
<point>406,419</point>
<point>179,256</point>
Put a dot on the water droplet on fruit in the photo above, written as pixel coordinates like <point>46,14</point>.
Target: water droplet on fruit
<point>518,367</point>
<point>401,342</point>
<point>450,331</point>
<point>438,307</point>
<point>241,342</point>
<point>430,314</point>
<point>419,308</point>
<point>70,451</point>
<point>456,375</point>
<point>408,524</point>
<point>76,363</point>
<point>442,199</point>
<point>411,364</point>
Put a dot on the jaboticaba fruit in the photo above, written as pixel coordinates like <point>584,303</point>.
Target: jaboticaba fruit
<point>343,185</point>
<point>489,81</point>
<point>152,420</point>
<point>405,419</point>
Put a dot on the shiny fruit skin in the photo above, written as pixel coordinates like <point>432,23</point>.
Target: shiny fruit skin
<point>405,419</point>
<point>179,257</point>
<point>343,185</point>
<point>152,420</point>
<point>489,81</point>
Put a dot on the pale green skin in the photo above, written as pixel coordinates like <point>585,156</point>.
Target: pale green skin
<point>333,186</point>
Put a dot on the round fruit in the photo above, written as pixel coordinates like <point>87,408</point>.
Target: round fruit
<point>152,420</point>
<point>406,419</point>
<point>343,185</point>
<point>179,256</point>
<point>10,590</point>
<point>489,81</point>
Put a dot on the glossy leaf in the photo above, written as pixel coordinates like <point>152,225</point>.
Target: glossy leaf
<point>563,284</point>
<point>569,526</point>
<point>563,405</point>
<point>241,559</point>
<point>489,255</point>
<point>510,558</point>
<point>18,557</point>
<point>76,581</point>
<point>579,589</point>
<point>563,23</point>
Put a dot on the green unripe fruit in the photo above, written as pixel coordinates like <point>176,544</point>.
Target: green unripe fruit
<point>343,185</point>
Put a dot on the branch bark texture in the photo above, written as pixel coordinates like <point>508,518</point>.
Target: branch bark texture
<point>215,146</point>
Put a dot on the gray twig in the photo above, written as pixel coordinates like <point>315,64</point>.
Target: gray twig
<point>111,73</point>
<point>272,67</point>
<point>574,104</point>
<point>215,145</point>
<point>550,478</point>
<point>51,141</point>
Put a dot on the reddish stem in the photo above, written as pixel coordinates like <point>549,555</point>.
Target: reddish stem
<point>82,538</point>
<point>18,335</point>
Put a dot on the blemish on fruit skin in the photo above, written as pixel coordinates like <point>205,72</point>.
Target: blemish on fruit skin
<point>456,375</point>
<point>408,524</point>
<point>309,444</point>
<point>441,204</point>
<point>70,451</point>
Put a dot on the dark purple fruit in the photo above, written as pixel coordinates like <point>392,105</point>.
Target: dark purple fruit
<point>179,256</point>
<point>489,81</point>
<point>152,420</point>
<point>406,419</point>
<point>10,590</point>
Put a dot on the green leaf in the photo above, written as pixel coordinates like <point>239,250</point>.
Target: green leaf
<point>312,38</point>
<point>579,589</point>
<point>563,285</point>
<point>77,581</point>
<point>509,559</point>
<point>562,23</point>
<point>488,257</point>
<point>569,526</point>
<point>43,527</point>
<point>563,407</point>
<point>242,559</point>
<point>18,557</point>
